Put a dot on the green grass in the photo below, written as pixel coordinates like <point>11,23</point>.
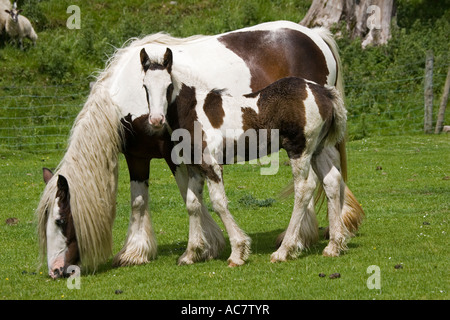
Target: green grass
<point>406,203</point>
<point>406,200</point>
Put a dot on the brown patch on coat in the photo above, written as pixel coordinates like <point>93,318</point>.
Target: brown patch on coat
<point>182,114</point>
<point>213,108</point>
<point>65,222</point>
<point>269,56</point>
<point>141,144</point>
<point>323,96</point>
<point>281,107</point>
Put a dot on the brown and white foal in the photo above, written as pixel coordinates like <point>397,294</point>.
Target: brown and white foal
<point>303,117</point>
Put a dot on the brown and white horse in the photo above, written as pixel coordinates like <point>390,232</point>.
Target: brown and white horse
<point>115,119</point>
<point>302,117</point>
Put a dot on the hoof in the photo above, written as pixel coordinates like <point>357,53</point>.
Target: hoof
<point>277,257</point>
<point>235,263</point>
<point>330,253</point>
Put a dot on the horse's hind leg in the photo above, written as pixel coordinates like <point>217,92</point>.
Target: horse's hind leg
<point>334,187</point>
<point>206,240</point>
<point>140,246</point>
<point>304,185</point>
<point>240,242</point>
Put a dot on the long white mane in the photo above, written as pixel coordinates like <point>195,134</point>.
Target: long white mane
<point>91,167</point>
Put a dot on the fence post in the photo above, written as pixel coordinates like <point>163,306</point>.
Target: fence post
<point>428,91</point>
<point>443,105</point>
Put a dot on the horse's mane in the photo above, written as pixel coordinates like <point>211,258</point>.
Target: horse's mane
<point>157,38</point>
<point>91,168</point>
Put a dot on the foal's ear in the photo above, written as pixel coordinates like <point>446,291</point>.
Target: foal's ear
<point>168,59</point>
<point>48,174</point>
<point>145,60</point>
<point>7,11</point>
<point>63,185</point>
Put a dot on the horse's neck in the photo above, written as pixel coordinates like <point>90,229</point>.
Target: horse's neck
<point>183,75</point>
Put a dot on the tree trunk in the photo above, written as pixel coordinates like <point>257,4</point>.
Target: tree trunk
<point>368,19</point>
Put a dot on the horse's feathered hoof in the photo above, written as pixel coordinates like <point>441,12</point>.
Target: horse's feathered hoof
<point>237,263</point>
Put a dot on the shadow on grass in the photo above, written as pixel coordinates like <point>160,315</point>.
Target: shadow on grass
<point>262,243</point>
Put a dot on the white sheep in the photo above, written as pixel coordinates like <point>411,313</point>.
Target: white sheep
<point>4,5</point>
<point>19,27</point>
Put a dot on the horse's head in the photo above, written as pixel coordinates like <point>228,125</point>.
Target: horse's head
<point>158,87</point>
<point>62,246</point>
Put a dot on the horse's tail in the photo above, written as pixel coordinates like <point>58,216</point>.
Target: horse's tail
<point>327,37</point>
<point>352,212</point>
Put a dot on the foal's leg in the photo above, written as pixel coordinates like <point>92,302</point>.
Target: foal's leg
<point>334,187</point>
<point>308,230</point>
<point>240,242</point>
<point>140,246</point>
<point>206,240</point>
<point>304,185</point>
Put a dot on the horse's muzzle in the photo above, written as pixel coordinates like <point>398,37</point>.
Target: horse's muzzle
<point>157,121</point>
<point>57,273</point>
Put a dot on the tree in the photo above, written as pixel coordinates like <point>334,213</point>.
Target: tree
<point>368,19</point>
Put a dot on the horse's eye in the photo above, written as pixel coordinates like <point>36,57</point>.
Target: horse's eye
<point>60,222</point>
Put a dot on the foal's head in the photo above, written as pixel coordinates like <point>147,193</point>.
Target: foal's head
<point>62,246</point>
<point>158,87</point>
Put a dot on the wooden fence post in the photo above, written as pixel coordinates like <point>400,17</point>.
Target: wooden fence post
<point>443,105</point>
<point>428,91</point>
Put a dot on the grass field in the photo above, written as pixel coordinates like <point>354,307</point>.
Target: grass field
<point>402,183</point>
<point>400,176</point>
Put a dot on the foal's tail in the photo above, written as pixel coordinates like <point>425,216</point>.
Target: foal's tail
<point>338,129</point>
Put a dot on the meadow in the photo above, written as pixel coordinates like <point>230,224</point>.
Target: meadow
<point>399,175</point>
<point>404,190</point>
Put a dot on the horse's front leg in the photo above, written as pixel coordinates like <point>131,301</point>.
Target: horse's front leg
<point>240,242</point>
<point>140,245</point>
<point>304,185</point>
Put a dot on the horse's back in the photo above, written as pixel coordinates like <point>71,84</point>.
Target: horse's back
<point>279,49</point>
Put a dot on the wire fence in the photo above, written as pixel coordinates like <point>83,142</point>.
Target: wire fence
<point>39,119</point>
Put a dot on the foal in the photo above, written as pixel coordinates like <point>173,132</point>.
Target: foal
<point>306,116</point>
